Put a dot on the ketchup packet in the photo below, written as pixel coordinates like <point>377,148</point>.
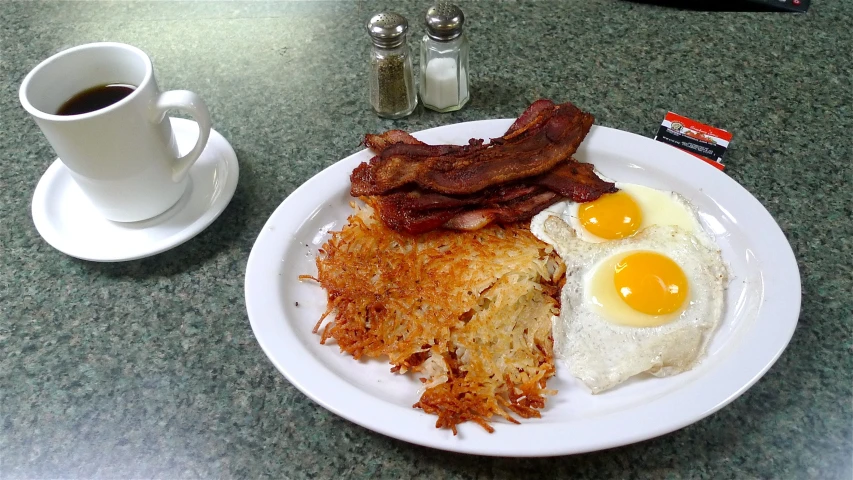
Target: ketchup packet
<point>702,141</point>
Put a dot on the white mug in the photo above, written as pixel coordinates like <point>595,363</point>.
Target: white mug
<point>123,156</point>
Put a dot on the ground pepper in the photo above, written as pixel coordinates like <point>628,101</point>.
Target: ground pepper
<point>392,81</point>
<point>392,92</point>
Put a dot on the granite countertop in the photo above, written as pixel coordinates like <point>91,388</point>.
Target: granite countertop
<point>149,368</point>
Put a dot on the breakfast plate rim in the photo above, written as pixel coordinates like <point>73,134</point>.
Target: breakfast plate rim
<point>310,376</point>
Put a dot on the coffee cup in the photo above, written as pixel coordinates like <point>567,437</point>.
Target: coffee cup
<point>100,109</point>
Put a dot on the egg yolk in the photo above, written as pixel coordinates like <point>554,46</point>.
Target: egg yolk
<point>650,283</point>
<point>611,216</point>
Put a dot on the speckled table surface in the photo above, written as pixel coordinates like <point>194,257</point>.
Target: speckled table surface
<point>149,368</point>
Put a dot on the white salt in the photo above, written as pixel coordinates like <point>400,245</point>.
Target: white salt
<point>443,87</point>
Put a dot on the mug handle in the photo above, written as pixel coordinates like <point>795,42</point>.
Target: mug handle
<point>192,104</point>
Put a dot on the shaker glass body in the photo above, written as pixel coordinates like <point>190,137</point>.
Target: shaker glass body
<point>444,73</point>
<point>392,82</point>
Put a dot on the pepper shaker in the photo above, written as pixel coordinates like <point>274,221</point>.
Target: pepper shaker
<point>392,81</point>
<point>444,59</point>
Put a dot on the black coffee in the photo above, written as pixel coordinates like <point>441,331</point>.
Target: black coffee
<point>95,98</point>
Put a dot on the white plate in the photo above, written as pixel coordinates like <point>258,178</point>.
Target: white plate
<point>763,305</point>
<point>68,221</point>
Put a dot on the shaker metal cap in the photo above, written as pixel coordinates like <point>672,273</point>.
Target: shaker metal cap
<point>387,30</point>
<point>444,21</point>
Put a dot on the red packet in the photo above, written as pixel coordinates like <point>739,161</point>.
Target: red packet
<point>702,141</point>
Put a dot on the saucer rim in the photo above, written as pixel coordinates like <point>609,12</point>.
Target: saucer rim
<point>46,226</point>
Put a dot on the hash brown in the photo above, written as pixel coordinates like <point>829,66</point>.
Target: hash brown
<point>470,312</point>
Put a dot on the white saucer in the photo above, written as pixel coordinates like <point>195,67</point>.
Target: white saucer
<point>68,221</point>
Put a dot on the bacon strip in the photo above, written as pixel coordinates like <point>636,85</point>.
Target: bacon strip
<point>418,200</point>
<point>461,170</point>
<point>404,213</point>
<point>378,142</point>
<point>418,187</point>
<point>535,114</point>
<point>405,144</point>
<point>574,180</point>
<point>416,211</point>
<point>514,211</point>
<point>401,219</point>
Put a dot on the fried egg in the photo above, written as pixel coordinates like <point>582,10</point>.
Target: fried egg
<point>622,214</point>
<point>649,302</point>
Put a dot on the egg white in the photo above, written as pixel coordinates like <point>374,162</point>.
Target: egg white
<point>603,353</point>
<point>658,207</point>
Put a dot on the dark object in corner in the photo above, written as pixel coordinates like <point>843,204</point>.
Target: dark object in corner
<point>797,6</point>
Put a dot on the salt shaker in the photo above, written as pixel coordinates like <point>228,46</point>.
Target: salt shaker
<point>392,81</point>
<point>444,59</point>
